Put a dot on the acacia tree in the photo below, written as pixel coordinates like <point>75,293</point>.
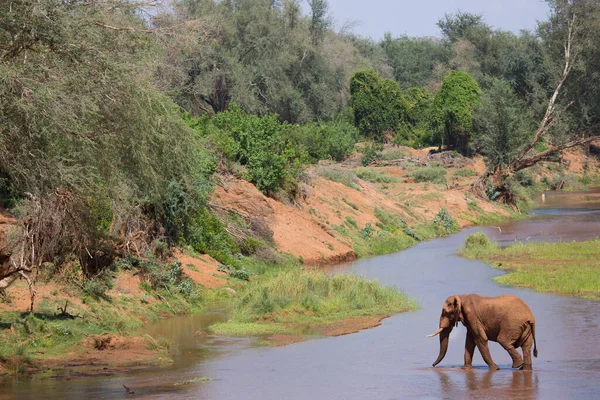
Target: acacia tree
<point>575,22</point>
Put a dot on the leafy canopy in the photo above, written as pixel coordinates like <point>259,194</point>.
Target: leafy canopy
<point>378,104</point>
<point>452,110</point>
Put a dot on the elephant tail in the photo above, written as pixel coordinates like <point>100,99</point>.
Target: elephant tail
<point>535,352</point>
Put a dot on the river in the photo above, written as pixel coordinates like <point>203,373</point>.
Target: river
<point>392,361</point>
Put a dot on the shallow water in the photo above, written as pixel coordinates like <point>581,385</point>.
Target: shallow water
<point>391,361</point>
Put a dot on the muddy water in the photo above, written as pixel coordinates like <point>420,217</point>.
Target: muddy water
<point>392,361</point>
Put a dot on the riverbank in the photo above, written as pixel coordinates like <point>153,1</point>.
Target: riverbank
<point>564,268</point>
<point>346,212</point>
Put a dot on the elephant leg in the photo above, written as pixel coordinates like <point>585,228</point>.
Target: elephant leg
<point>482,345</point>
<point>508,345</point>
<point>514,354</point>
<point>469,350</point>
<point>527,364</point>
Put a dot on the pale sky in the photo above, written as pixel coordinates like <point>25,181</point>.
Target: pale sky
<point>419,17</point>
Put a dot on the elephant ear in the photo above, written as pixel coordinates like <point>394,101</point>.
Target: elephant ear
<point>458,310</point>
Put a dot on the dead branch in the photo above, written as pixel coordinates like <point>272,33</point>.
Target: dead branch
<point>64,313</point>
<point>548,120</point>
<point>530,161</point>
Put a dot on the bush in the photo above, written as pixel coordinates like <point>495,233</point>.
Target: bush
<point>371,152</point>
<point>374,175</point>
<point>429,174</point>
<point>340,175</point>
<point>464,173</point>
<point>444,221</point>
<point>261,144</point>
<point>327,140</point>
<point>392,154</point>
<point>476,245</point>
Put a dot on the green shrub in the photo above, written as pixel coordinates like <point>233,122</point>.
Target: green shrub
<point>429,174</point>
<point>208,236</point>
<point>371,152</point>
<point>262,144</point>
<point>374,175</point>
<point>464,173</point>
<point>326,140</point>
<point>476,245</point>
<point>340,175</point>
<point>392,154</point>
<point>444,221</point>
<point>378,104</point>
<point>352,221</point>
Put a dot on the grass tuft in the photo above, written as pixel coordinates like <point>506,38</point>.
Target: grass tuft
<point>285,298</point>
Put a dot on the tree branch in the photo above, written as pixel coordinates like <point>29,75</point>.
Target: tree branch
<point>528,162</point>
<point>548,121</point>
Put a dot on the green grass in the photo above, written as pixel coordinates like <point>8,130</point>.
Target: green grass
<point>392,154</point>
<point>43,334</point>
<point>48,334</point>
<point>464,173</point>
<point>233,328</point>
<point>280,300</point>
<point>433,196</point>
<point>429,174</point>
<point>374,175</point>
<point>567,268</point>
<point>340,175</point>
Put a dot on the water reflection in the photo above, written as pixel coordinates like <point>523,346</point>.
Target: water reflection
<point>480,383</point>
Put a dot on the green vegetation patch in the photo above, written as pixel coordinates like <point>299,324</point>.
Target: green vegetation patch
<point>375,175</point>
<point>567,268</point>
<point>282,299</point>
<point>340,175</point>
<point>464,173</point>
<point>429,174</point>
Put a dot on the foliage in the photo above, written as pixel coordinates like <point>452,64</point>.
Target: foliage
<point>378,104</point>
<point>429,174</point>
<point>413,59</point>
<point>452,110</point>
<point>445,222</point>
<point>297,296</point>
<point>85,131</point>
<point>264,55</point>
<point>502,127</point>
<point>476,245</point>
<point>464,173</point>
<point>326,140</point>
<point>374,175</point>
<point>260,143</point>
<point>336,174</point>
<point>372,151</point>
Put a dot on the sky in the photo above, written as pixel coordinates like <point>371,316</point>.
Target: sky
<point>418,17</point>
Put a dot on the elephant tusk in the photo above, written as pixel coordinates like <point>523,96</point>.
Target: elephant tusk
<point>436,332</point>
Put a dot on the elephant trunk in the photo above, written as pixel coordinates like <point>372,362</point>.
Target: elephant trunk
<point>444,339</point>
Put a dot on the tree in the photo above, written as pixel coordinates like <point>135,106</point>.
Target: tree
<point>413,59</point>
<point>501,124</point>
<point>378,104</point>
<point>452,111</point>
<point>318,20</point>
<point>571,25</point>
<point>90,146</point>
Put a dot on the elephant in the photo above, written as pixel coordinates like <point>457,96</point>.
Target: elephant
<point>504,319</point>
